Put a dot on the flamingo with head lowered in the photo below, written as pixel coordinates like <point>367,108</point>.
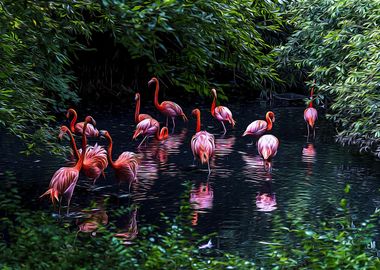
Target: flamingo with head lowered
<point>95,159</point>
<point>168,108</point>
<point>77,128</point>
<point>267,146</point>
<point>148,128</point>
<point>258,127</point>
<point>139,117</point>
<point>127,163</point>
<point>310,115</point>
<point>65,179</point>
<point>221,113</point>
<point>202,143</point>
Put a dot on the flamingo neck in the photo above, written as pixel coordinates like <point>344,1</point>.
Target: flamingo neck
<point>198,128</point>
<point>137,112</point>
<point>158,105</point>
<point>311,97</point>
<point>110,144</point>
<point>213,105</point>
<point>269,122</point>
<point>73,121</point>
<point>78,166</point>
<point>73,144</point>
<point>160,135</point>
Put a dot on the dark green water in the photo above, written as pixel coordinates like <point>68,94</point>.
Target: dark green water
<point>307,180</point>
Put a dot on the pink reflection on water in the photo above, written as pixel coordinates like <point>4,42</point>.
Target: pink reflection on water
<point>224,146</point>
<point>309,157</point>
<point>266,202</point>
<point>93,219</point>
<point>201,198</point>
<point>131,230</point>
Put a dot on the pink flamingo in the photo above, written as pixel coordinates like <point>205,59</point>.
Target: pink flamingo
<point>95,159</point>
<point>65,179</point>
<point>202,143</point>
<point>310,115</point>
<point>77,128</point>
<point>126,165</point>
<point>267,146</point>
<point>168,108</point>
<point>148,128</point>
<point>139,117</point>
<point>266,202</point>
<point>221,113</point>
<point>258,127</point>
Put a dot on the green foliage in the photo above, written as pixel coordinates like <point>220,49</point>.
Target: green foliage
<point>338,44</point>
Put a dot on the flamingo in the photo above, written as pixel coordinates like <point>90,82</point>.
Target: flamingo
<point>310,115</point>
<point>77,128</point>
<point>65,179</point>
<point>139,117</point>
<point>150,127</point>
<point>202,143</point>
<point>267,146</point>
<point>168,108</point>
<point>126,165</point>
<point>95,159</point>
<point>258,127</point>
<point>221,113</point>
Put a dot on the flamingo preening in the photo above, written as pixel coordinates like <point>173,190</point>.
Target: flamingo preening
<point>168,108</point>
<point>77,128</point>
<point>221,113</point>
<point>258,127</point>
<point>267,146</point>
<point>139,117</point>
<point>95,159</point>
<point>148,128</point>
<point>310,115</point>
<point>202,143</point>
<point>127,163</point>
<point>65,179</point>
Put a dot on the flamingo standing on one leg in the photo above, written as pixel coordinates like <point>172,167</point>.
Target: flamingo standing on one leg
<point>150,127</point>
<point>310,115</point>
<point>221,113</point>
<point>95,159</point>
<point>126,165</point>
<point>267,146</point>
<point>202,143</point>
<point>258,127</point>
<point>139,117</point>
<point>168,108</point>
<point>77,128</point>
<point>65,179</point>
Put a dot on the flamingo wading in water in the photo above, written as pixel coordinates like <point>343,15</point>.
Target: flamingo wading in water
<point>221,113</point>
<point>150,127</point>
<point>65,179</point>
<point>126,165</point>
<point>202,143</point>
<point>258,127</point>
<point>95,159</point>
<point>267,146</point>
<point>139,117</point>
<point>168,108</point>
<point>77,128</point>
<point>310,115</point>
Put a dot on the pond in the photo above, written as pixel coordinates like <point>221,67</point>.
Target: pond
<point>307,180</point>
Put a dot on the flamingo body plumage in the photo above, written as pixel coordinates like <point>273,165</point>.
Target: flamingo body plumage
<point>259,127</point>
<point>221,113</point>
<point>310,115</point>
<point>77,128</point>
<point>150,127</point>
<point>139,117</point>
<point>267,146</point>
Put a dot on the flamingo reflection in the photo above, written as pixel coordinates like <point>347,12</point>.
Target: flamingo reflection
<point>132,231</point>
<point>201,198</point>
<point>254,168</point>
<point>224,146</point>
<point>308,156</point>
<point>94,218</point>
<point>266,199</point>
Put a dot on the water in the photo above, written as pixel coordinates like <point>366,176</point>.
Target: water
<point>307,180</point>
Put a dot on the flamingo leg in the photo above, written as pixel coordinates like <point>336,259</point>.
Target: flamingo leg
<point>224,127</point>
<point>59,207</point>
<point>173,124</point>
<point>314,132</point>
<point>142,141</point>
<point>208,164</point>
<point>308,131</point>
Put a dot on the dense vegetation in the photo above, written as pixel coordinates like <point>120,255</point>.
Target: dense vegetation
<point>337,43</point>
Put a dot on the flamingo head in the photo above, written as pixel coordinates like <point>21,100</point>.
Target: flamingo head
<point>70,112</point>
<point>63,130</point>
<point>271,116</point>
<point>213,91</point>
<point>137,96</point>
<point>136,134</point>
<point>164,133</point>
<point>153,80</point>
<point>103,133</point>
<point>91,120</point>
<point>195,112</point>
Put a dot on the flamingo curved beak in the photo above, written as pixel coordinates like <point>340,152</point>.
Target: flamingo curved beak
<point>136,134</point>
<point>150,82</point>
<point>102,133</point>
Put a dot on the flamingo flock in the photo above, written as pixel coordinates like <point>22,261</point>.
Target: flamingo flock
<point>92,161</point>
